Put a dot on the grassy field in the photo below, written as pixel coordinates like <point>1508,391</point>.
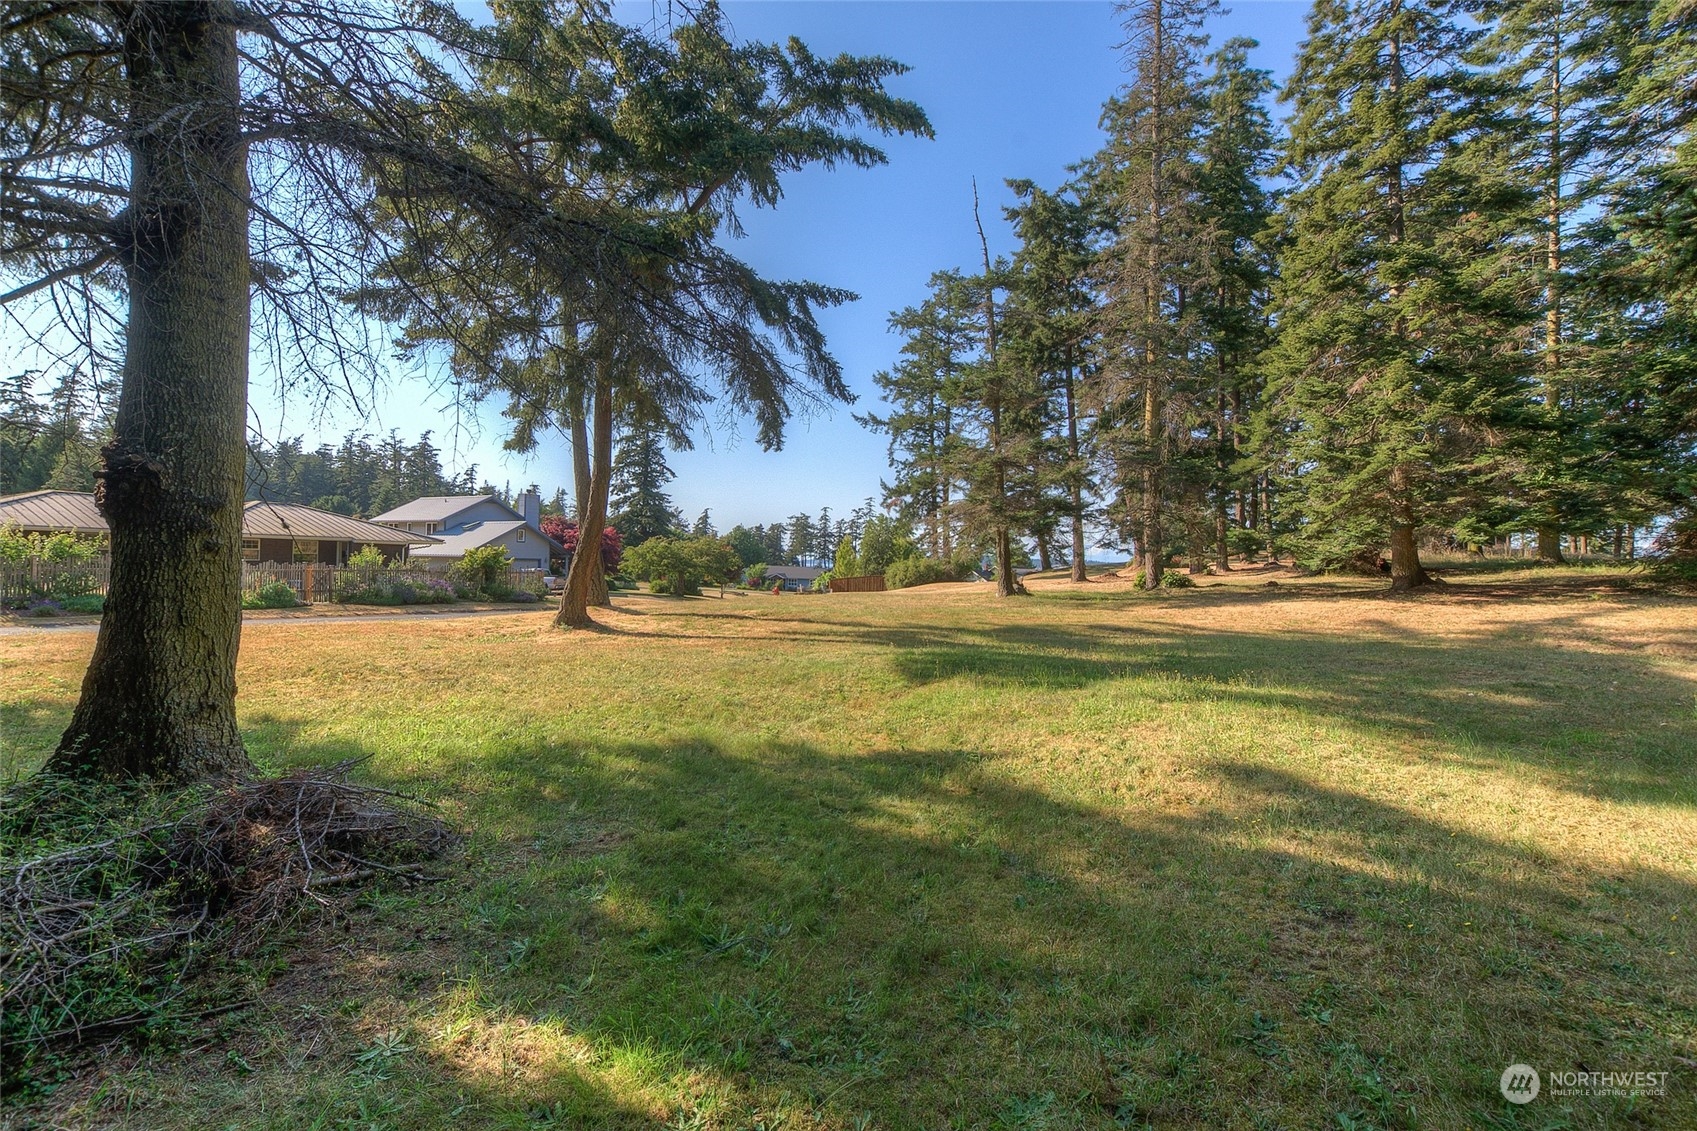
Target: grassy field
<point>1248,856</point>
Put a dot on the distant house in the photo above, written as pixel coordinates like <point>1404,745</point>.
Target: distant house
<point>271,532</point>
<point>457,523</point>
<point>793,577</point>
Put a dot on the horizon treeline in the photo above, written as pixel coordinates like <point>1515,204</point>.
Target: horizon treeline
<point>50,439</point>
<point>357,476</point>
<point>641,509</point>
<point>1451,299</point>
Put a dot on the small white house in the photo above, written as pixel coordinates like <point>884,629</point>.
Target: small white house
<point>466,522</point>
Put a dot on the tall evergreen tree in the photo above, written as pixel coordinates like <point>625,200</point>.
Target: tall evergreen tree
<point>803,538</point>
<point>641,508</point>
<point>1236,157</point>
<point>1397,359</point>
<point>22,422</point>
<point>1145,179</point>
<point>673,132</point>
<point>1050,316</point>
<point>1001,405</point>
<point>1555,71</point>
<point>921,388</point>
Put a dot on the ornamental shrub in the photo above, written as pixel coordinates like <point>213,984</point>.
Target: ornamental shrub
<point>908,572</point>
<point>482,574</point>
<point>274,594</point>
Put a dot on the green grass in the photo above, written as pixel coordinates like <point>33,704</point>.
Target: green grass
<point>1232,857</point>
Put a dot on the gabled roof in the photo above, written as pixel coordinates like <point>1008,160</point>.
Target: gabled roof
<point>794,573</point>
<point>261,519</point>
<point>75,511</point>
<point>53,510</point>
<point>454,543</point>
<point>439,508</point>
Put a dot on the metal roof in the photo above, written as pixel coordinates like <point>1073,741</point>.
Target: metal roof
<point>261,519</point>
<point>437,508</point>
<point>75,511</point>
<point>52,511</point>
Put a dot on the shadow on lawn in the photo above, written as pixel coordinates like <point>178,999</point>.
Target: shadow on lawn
<point>1614,724</point>
<point>908,935</point>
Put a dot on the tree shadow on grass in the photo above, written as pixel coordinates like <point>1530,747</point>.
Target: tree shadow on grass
<point>685,934</point>
<point>1611,724</point>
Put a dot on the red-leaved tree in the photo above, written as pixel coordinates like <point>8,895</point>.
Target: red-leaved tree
<point>564,531</point>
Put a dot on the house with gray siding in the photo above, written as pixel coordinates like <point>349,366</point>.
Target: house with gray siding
<point>467,522</point>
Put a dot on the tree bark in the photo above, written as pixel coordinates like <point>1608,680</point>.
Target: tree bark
<point>1224,450</point>
<point>1222,540</point>
<point>158,699</point>
<point>1406,571</point>
<point>586,568</point>
<point>1549,544</point>
<point>581,485</point>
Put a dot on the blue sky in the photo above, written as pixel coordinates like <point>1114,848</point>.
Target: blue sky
<point>1013,89</point>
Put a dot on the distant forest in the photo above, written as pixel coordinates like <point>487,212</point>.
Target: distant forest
<point>358,476</point>
<point>49,439</point>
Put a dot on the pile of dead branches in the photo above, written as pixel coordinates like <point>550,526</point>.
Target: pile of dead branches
<point>94,934</point>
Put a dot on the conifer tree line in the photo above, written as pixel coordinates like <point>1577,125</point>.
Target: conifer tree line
<point>50,437</point>
<point>355,476</point>
<point>1448,300</point>
<point>641,509</point>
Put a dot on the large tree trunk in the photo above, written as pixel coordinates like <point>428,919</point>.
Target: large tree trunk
<point>158,700</point>
<point>1549,544</point>
<point>582,482</point>
<point>1007,581</point>
<point>1406,571</point>
<point>586,569</point>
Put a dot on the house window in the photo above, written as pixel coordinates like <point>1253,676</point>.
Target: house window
<point>250,549</point>
<point>430,528</point>
<point>306,550</point>
<point>521,535</point>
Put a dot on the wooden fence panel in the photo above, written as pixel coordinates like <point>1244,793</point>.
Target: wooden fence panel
<point>870,583</point>
<point>21,580</point>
